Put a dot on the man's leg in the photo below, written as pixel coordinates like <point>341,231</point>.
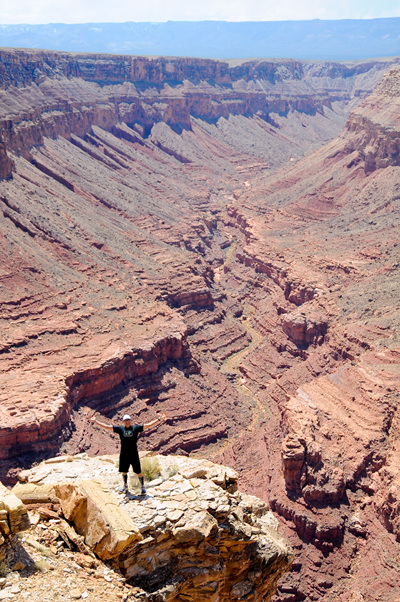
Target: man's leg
<point>143,488</point>
<point>138,469</point>
<point>123,469</point>
<point>125,485</point>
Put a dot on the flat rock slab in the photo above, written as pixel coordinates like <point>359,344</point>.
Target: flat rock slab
<point>32,493</point>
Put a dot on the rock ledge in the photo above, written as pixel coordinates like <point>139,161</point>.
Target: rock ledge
<point>192,537</point>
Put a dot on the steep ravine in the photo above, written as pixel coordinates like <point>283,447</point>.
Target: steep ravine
<point>154,260</point>
<point>328,230</point>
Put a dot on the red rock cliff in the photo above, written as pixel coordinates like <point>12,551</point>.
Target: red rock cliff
<point>59,94</point>
<point>152,259</point>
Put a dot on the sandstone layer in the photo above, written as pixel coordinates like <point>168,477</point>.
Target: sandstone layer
<point>13,517</point>
<point>154,259</point>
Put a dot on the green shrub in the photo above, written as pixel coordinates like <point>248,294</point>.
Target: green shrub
<point>150,468</point>
<point>41,565</point>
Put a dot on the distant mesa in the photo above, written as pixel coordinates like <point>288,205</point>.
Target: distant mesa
<point>347,39</point>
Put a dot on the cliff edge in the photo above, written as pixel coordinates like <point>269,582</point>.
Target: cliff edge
<point>193,536</point>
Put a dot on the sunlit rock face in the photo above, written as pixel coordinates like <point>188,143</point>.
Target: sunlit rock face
<point>154,258</point>
<point>119,175</point>
<point>327,227</point>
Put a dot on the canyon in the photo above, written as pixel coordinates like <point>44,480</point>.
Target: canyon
<point>218,241</point>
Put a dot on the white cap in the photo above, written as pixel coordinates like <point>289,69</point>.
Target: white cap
<point>127,417</point>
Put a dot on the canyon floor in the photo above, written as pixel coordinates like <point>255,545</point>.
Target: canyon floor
<point>175,247</point>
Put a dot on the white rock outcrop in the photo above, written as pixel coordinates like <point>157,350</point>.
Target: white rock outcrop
<point>192,537</point>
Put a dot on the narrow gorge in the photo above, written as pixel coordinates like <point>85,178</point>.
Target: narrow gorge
<point>218,241</point>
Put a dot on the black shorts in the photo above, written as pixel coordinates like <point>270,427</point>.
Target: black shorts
<point>126,461</point>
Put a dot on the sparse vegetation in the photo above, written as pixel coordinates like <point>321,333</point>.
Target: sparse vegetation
<point>41,565</point>
<point>3,569</point>
<point>44,550</point>
<point>150,468</point>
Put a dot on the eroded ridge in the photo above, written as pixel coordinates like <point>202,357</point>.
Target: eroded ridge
<point>154,260</point>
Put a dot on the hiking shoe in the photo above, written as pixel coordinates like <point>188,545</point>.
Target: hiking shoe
<point>123,489</point>
<point>143,491</point>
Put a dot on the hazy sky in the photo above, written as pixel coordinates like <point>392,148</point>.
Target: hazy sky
<point>95,11</point>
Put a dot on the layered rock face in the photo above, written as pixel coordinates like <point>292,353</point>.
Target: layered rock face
<point>372,131</point>
<point>13,517</point>
<point>59,94</point>
<point>106,266</point>
<point>326,235</point>
<point>192,537</point>
<point>154,259</point>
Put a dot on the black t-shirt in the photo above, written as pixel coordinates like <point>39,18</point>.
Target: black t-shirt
<point>128,437</point>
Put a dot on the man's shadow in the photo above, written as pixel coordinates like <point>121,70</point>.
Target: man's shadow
<point>137,496</point>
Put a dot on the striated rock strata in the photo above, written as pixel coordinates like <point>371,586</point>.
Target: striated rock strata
<point>327,365</point>
<point>154,258</point>
<point>99,152</point>
<point>48,94</point>
<point>13,518</point>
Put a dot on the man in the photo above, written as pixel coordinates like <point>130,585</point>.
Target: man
<point>129,455</point>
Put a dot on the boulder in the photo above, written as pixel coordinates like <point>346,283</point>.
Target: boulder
<point>197,528</point>
<point>13,514</point>
<point>96,514</point>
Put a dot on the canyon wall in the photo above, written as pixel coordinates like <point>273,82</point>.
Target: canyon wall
<point>59,94</point>
<point>117,113</point>
<point>156,258</point>
<point>325,233</point>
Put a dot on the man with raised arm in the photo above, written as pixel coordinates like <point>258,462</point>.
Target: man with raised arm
<point>129,456</point>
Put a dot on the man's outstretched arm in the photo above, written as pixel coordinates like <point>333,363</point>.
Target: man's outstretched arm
<point>108,427</point>
<point>148,425</point>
